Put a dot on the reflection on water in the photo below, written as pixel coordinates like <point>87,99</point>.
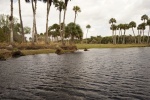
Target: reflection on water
<point>99,74</point>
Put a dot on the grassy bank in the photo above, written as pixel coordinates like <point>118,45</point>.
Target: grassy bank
<point>88,46</point>
<point>45,49</point>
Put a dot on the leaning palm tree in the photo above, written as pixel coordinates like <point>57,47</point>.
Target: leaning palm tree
<point>112,21</point>
<point>63,28</point>
<point>148,23</point>
<point>88,27</point>
<point>11,21</point>
<point>21,23</point>
<point>132,25</point>
<point>60,6</point>
<point>76,9</point>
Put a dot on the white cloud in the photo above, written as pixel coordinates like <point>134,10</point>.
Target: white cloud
<point>94,12</point>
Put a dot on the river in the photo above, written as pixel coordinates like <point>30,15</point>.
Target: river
<point>98,74</point>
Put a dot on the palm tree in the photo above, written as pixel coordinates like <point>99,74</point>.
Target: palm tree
<point>139,28</point>
<point>125,27</point>
<point>49,3</point>
<point>22,29</point>
<point>11,21</point>
<point>74,30</point>
<point>88,27</point>
<point>148,23</point>
<point>132,25</point>
<point>34,29</point>
<point>63,28</point>
<point>76,9</point>
<point>114,28</point>
<point>112,21</point>
<point>60,6</point>
<point>143,26</point>
<point>144,18</point>
<point>120,32</point>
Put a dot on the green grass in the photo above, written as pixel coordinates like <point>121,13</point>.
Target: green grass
<point>88,46</point>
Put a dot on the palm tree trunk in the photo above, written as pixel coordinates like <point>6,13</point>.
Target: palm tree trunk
<point>46,35</point>
<point>143,36</point>
<point>11,19</point>
<point>75,17</point>
<point>134,36</point>
<point>63,29</point>
<point>148,35</point>
<point>124,37</point>
<point>86,36</point>
<point>61,34</point>
<point>119,36</point>
<point>140,35</point>
<point>113,36</point>
<point>22,30</point>
<point>33,29</point>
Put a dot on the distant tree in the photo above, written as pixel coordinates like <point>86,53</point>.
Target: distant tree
<point>114,28</point>
<point>54,31</point>
<point>76,9</point>
<point>144,18</point>
<point>27,30</point>
<point>132,25</point>
<point>148,23</point>
<point>120,27</point>
<point>125,27</point>
<point>88,27</point>
<point>75,31</point>
<point>112,21</point>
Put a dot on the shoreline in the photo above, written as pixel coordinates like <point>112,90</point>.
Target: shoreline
<point>5,54</point>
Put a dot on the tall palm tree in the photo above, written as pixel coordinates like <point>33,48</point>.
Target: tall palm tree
<point>11,21</point>
<point>144,18</point>
<point>114,28</point>
<point>34,29</point>
<point>148,23</point>
<point>139,28</point>
<point>125,27</point>
<point>143,26</point>
<point>76,9</point>
<point>21,23</point>
<point>120,32</point>
<point>132,25</point>
<point>112,21</point>
<point>88,27</point>
<point>60,6</point>
<point>63,28</point>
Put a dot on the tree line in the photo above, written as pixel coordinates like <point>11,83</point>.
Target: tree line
<point>121,37</point>
<point>61,30</point>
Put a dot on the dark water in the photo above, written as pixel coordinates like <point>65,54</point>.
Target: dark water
<point>99,74</point>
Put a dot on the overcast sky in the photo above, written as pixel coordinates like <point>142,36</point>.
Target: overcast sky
<point>94,12</point>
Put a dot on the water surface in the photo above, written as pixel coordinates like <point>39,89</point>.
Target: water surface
<point>99,74</point>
